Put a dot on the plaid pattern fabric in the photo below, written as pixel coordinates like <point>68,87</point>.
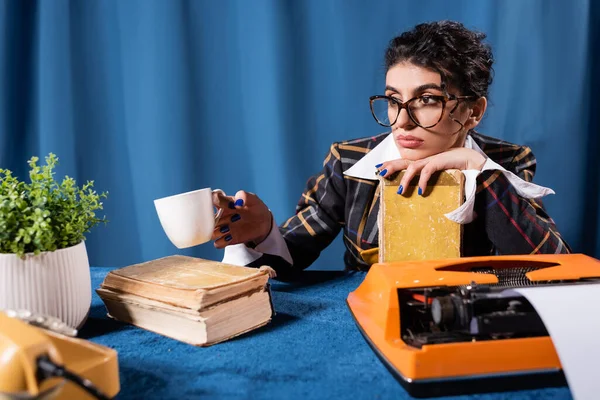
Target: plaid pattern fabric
<point>334,202</point>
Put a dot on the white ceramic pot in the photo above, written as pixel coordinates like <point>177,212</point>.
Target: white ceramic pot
<point>56,283</point>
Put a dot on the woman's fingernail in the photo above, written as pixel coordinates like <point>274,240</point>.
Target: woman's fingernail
<point>224,229</point>
<point>383,172</point>
<point>232,205</point>
<point>378,165</point>
<point>236,217</point>
<point>228,238</point>
<point>239,202</point>
<point>420,192</point>
<point>400,189</point>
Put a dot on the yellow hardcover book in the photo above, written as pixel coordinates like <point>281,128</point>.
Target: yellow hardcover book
<point>413,227</point>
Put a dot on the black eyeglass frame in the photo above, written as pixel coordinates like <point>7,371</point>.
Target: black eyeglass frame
<point>405,105</point>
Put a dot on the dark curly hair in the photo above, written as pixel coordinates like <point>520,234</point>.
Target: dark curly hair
<point>457,53</point>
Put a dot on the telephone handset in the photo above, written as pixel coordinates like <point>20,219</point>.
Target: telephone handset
<point>38,360</point>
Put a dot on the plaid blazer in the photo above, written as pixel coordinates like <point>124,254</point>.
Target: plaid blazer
<point>505,223</point>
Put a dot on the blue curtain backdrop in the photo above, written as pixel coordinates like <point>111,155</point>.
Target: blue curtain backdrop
<point>152,98</point>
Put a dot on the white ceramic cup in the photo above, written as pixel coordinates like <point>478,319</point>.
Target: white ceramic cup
<point>189,218</point>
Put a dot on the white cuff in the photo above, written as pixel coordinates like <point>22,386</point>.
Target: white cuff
<point>274,244</point>
<point>464,214</point>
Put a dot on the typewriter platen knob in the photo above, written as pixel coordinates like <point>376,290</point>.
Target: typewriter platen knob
<point>442,310</point>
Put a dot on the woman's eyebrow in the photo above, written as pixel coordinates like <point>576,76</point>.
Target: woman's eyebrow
<point>426,86</point>
<point>418,89</point>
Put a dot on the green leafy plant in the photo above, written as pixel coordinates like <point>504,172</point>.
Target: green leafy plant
<point>45,215</point>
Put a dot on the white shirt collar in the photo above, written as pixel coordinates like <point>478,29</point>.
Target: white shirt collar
<point>365,167</point>
<point>388,151</point>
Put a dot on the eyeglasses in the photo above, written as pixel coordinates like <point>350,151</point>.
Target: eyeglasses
<point>425,111</point>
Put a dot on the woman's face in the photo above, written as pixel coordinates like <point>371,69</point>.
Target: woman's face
<point>405,81</point>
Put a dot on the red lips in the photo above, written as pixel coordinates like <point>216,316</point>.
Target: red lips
<point>409,142</point>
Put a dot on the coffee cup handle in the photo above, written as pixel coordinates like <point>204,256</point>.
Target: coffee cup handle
<point>219,209</point>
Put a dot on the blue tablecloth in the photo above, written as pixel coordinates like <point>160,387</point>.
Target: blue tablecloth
<point>311,349</point>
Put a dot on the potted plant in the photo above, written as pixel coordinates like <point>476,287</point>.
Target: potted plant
<point>44,265</point>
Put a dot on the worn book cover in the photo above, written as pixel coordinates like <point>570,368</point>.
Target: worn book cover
<point>197,301</point>
<point>187,282</point>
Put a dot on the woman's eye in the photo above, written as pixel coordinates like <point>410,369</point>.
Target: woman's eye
<point>428,100</point>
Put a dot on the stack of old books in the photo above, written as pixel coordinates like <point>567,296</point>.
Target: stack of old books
<point>197,301</point>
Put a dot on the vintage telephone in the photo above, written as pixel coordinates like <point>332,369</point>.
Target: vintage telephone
<point>38,363</point>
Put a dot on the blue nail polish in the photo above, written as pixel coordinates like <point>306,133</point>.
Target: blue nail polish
<point>228,238</point>
<point>378,165</point>
<point>383,172</point>
<point>239,202</point>
<point>400,189</point>
<point>236,217</point>
<point>420,192</point>
<point>232,205</point>
<point>224,229</point>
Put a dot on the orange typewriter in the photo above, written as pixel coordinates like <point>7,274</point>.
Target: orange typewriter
<point>454,326</point>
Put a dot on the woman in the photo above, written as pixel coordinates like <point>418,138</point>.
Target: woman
<point>437,82</point>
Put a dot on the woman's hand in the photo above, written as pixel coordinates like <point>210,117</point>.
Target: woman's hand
<point>245,219</point>
<point>457,158</point>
